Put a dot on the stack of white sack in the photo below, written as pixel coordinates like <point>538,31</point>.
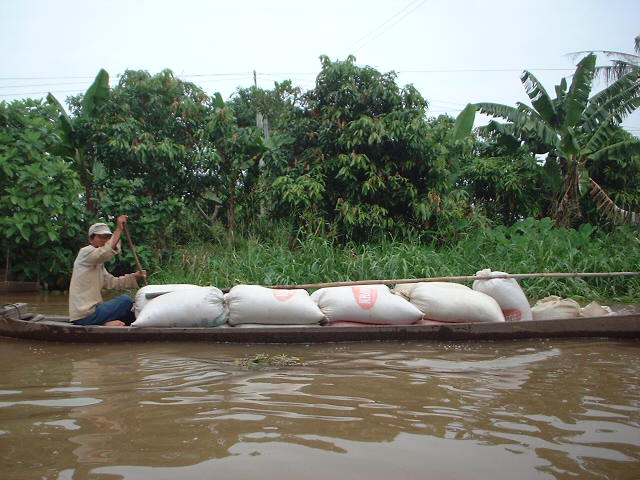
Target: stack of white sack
<point>369,304</point>
<point>453,302</point>
<point>260,306</point>
<point>506,291</point>
<point>147,293</point>
<point>194,307</point>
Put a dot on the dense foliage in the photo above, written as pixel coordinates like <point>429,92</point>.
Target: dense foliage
<point>574,130</point>
<point>357,158</point>
<point>39,207</point>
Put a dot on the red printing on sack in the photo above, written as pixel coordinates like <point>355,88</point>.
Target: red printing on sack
<point>513,315</point>
<point>365,297</point>
<point>283,295</point>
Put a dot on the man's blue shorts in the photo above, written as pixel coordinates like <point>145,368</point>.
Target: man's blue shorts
<point>120,308</point>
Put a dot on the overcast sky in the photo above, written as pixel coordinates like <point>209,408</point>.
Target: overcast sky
<point>454,51</point>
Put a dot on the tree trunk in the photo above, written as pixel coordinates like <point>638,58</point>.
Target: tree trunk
<point>231,215</point>
<point>567,212</point>
<point>88,189</point>
<point>85,178</point>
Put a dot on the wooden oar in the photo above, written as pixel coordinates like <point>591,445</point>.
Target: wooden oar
<point>133,250</point>
<point>517,276</point>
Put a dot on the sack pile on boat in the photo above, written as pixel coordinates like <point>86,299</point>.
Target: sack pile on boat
<point>183,305</point>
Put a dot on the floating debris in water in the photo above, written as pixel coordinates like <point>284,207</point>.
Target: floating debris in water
<point>266,360</point>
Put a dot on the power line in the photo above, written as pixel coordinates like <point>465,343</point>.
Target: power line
<point>287,73</point>
<point>70,77</point>
<point>43,78</point>
<point>445,102</point>
<point>246,77</point>
<point>386,25</point>
<point>214,74</point>
<point>37,93</point>
<point>483,70</point>
<point>41,85</point>
<point>234,76</point>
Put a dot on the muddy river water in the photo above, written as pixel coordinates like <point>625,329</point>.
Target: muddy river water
<point>533,409</point>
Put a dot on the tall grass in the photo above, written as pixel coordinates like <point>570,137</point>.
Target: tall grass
<point>527,247</point>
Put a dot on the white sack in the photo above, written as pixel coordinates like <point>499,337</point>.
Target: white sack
<point>262,325</point>
<point>372,304</point>
<point>256,304</point>
<point>406,289</point>
<point>141,296</point>
<point>553,307</point>
<point>445,302</point>
<point>506,291</point>
<point>195,307</point>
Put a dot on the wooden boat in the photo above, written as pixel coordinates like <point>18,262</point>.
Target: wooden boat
<point>17,322</point>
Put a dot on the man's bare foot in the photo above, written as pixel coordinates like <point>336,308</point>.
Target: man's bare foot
<point>114,323</point>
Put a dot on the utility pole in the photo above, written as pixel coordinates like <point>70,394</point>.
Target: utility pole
<point>261,122</point>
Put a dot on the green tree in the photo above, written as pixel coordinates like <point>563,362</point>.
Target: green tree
<point>364,156</point>
<point>505,181</point>
<point>40,203</point>
<point>145,152</point>
<point>277,113</point>
<point>277,105</point>
<point>74,143</point>
<point>615,180</point>
<point>232,154</point>
<point>573,129</point>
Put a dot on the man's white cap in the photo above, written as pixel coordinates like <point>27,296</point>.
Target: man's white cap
<point>99,229</point>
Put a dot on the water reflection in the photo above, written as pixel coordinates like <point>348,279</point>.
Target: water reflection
<point>562,409</point>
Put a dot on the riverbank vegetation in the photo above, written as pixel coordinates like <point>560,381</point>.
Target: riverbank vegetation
<point>351,180</point>
<point>532,246</point>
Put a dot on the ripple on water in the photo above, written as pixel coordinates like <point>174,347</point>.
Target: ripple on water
<point>55,402</point>
<point>509,409</point>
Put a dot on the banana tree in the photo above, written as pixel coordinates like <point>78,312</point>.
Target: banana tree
<point>573,129</point>
<point>621,62</point>
<point>72,143</point>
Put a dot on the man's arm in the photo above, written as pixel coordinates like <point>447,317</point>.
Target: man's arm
<point>114,241</point>
<point>118,283</point>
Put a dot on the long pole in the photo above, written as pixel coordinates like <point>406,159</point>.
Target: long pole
<point>517,276</point>
<point>133,250</point>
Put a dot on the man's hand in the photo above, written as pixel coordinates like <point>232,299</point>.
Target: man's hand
<point>122,221</point>
<point>115,238</point>
<point>140,274</point>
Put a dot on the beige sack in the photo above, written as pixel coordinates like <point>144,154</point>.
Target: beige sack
<point>553,307</point>
<point>267,306</point>
<point>594,309</point>
<point>446,302</point>
<point>404,289</point>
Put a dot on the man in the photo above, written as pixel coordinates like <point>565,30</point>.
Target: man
<point>90,277</point>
